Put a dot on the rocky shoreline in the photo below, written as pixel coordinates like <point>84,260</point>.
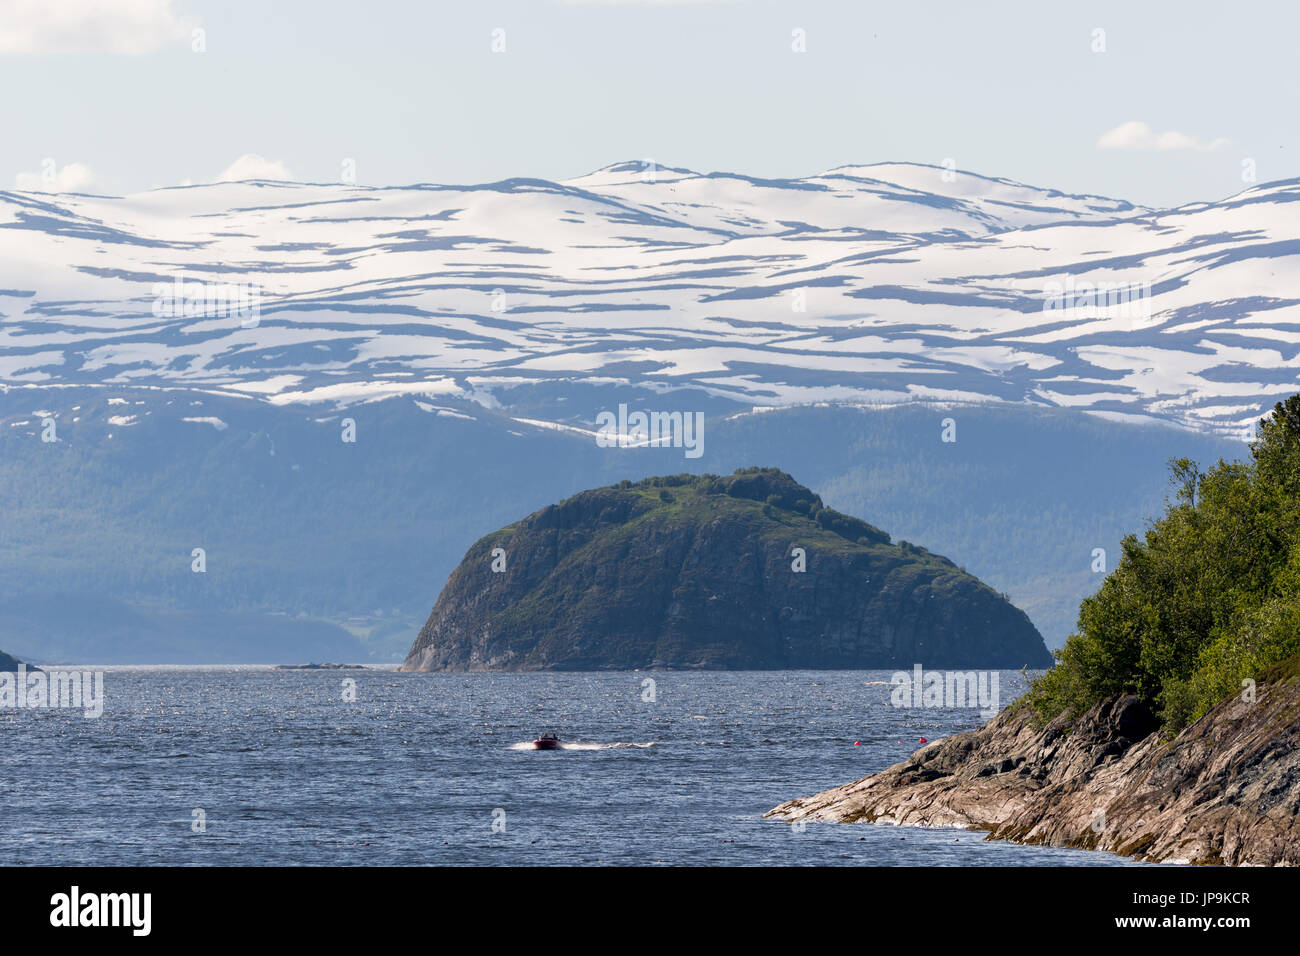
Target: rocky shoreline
<point>1224,791</point>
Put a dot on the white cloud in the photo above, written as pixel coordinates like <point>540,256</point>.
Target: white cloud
<point>252,166</point>
<point>91,26</point>
<point>1138,135</point>
<point>72,178</point>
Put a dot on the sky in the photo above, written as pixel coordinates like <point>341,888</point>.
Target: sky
<point>1159,103</point>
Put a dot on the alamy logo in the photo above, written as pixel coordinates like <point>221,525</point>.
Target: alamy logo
<point>653,429</point>
<point>1122,300</point>
<point>194,299</point>
<point>946,689</point>
<point>40,690</point>
<point>75,908</point>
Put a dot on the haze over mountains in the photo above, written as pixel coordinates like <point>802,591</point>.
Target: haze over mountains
<point>866,284</point>
<point>474,333</point>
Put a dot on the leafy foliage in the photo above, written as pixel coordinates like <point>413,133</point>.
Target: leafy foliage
<point>1207,599</point>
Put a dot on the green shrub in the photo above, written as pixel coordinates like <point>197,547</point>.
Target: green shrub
<point>1206,599</point>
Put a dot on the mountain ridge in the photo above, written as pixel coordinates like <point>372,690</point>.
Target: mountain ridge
<point>768,292</point>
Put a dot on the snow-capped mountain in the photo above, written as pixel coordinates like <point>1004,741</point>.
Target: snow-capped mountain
<point>866,284</point>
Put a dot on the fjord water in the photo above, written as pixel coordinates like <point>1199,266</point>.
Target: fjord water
<point>418,767</point>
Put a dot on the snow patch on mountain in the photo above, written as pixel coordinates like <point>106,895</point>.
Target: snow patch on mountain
<point>865,284</point>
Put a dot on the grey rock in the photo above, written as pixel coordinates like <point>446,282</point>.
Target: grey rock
<point>1224,791</point>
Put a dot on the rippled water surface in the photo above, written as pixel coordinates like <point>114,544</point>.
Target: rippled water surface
<point>417,769</point>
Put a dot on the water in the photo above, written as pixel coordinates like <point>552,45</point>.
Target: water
<point>415,770</point>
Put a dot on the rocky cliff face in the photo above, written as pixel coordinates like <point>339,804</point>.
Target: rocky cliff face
<point>1226,790</point>
<point>702,571</point>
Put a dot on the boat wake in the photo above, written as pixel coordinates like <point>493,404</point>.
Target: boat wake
<point>528,745</point>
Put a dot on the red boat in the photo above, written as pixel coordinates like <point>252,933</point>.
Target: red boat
<point>547,742</point>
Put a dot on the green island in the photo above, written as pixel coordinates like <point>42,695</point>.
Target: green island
<point>748,570</point>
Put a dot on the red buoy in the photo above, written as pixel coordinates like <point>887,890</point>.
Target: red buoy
<point>922,740</point>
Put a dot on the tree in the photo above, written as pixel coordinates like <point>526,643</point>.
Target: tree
<point>1186,476</point>
<point>1205,598</point>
